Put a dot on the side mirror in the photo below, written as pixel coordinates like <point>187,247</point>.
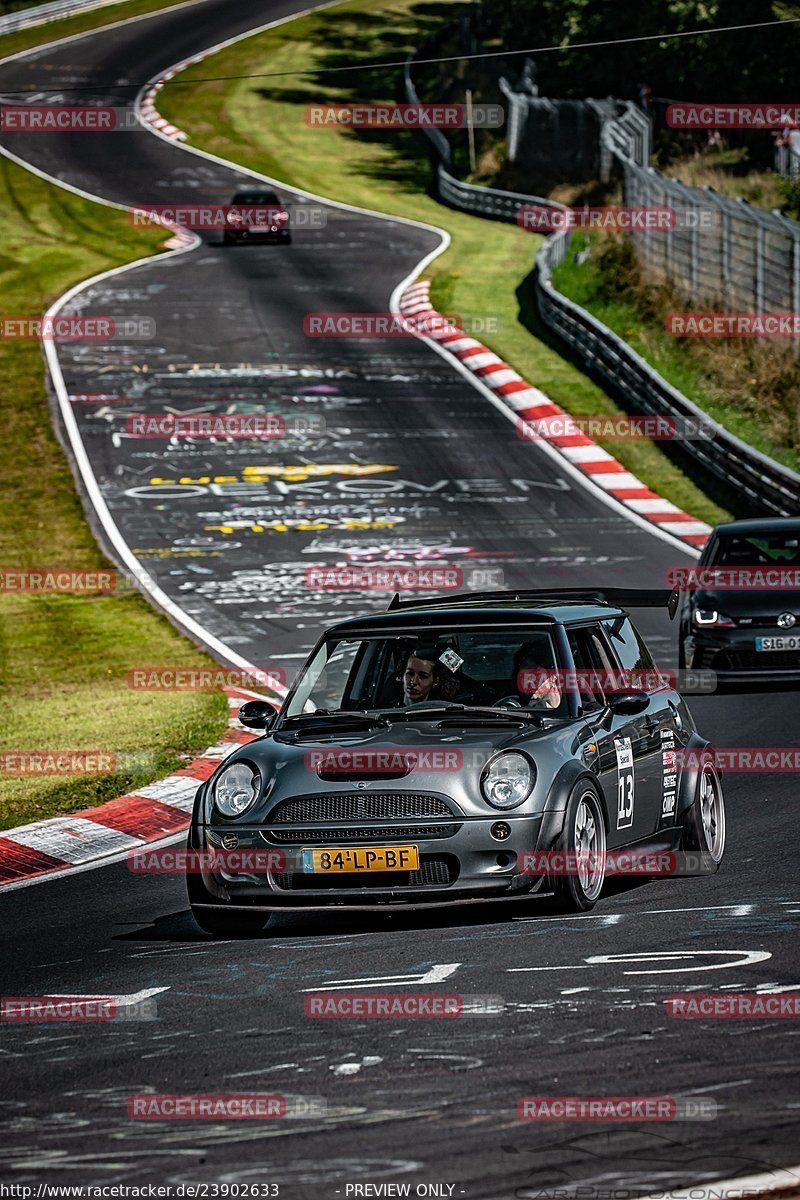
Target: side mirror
<point>257,714</point>
<point>628,704</point>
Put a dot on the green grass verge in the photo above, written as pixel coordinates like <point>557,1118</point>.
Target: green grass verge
<point>39,35</point>
<point>64,659</point>
<point>749,387</point>
<point>259,123</point>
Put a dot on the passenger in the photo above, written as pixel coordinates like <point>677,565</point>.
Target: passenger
<point>426,678</point>
<point>537,686</point>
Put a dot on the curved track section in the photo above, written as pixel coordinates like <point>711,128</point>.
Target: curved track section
<point>414,466</point>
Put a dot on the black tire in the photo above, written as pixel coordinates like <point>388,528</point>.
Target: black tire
<point>220,923</point>
<point>704,825</point>
<point>286,239</point>
<point>573,892</point>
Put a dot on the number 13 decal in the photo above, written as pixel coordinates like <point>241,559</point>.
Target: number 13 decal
<point>624,782</point>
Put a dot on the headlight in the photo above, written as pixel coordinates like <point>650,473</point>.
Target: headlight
<point>508,780</point>
<point>236,789</point>
<point>710,616</point>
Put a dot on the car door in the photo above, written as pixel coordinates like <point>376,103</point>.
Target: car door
<point>626,764</point>
<point>658,722</point>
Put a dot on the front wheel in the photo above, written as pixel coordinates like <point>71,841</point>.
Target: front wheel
<point>583,843</point>
<point>704,823</point>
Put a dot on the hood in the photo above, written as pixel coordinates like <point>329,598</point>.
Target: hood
<point>409,756</point>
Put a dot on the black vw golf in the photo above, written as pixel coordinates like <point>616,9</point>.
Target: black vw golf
<point>740,615</point>
<point>458,749</point>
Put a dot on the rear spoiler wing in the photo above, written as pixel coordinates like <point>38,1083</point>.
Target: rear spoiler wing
<point>621,597</point>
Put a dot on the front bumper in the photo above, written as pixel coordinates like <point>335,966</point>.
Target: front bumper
<point>732,654</point>
<point>463,861</point>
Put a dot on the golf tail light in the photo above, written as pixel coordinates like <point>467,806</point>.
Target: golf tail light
<point>508,780</point>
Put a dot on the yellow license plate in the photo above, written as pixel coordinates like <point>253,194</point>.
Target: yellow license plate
<point>361,858</point>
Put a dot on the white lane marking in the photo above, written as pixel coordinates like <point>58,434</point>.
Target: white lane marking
<point>436,974</point>
<point>741,1185</point>
<point>746,958</point>
<point>121,1000</point>
<point>647,912</point>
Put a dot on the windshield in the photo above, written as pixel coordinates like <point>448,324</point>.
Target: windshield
<point>256,198</point>
<point>757,550</point>
<point>489,668</point>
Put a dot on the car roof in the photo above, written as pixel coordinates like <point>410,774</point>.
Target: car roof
<point>760,525</point>
<point>476,613</point>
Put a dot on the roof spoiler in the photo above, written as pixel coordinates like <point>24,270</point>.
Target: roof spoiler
<point>622,597</point>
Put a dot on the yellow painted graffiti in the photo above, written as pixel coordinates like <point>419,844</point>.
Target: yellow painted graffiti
<point>298,526</point>
<point>290,473</point>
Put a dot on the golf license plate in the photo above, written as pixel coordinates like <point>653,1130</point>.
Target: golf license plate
<point>333,861</point>
<point>791,642</point>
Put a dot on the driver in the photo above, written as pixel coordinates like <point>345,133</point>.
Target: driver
<point>537,686</point>
<point>426,678</point>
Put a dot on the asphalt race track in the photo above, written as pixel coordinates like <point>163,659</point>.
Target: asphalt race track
<point>413,465</point>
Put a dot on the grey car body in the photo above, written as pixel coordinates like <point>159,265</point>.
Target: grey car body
<point>467,849</point>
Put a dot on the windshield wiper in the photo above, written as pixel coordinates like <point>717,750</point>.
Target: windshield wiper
<point>460,714</point>
<point>331,718</point>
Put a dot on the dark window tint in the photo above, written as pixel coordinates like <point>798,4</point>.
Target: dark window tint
<point>628,643</point>
<point>255,198</point>
<point>591,658</point>
<point>756,550</point>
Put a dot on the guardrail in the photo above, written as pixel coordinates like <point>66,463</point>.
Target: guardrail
<point>768,486</point>
<point>43,13</point>
<point>468,197</point>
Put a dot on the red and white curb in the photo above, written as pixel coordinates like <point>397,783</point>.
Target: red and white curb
<point>150,113</point>
<point>149,814</point>
<point>529,403</point>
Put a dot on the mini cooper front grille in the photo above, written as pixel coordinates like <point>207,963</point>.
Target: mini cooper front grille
<point>361,833</point>
<point>434,871</point>
<point>359,806</point>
